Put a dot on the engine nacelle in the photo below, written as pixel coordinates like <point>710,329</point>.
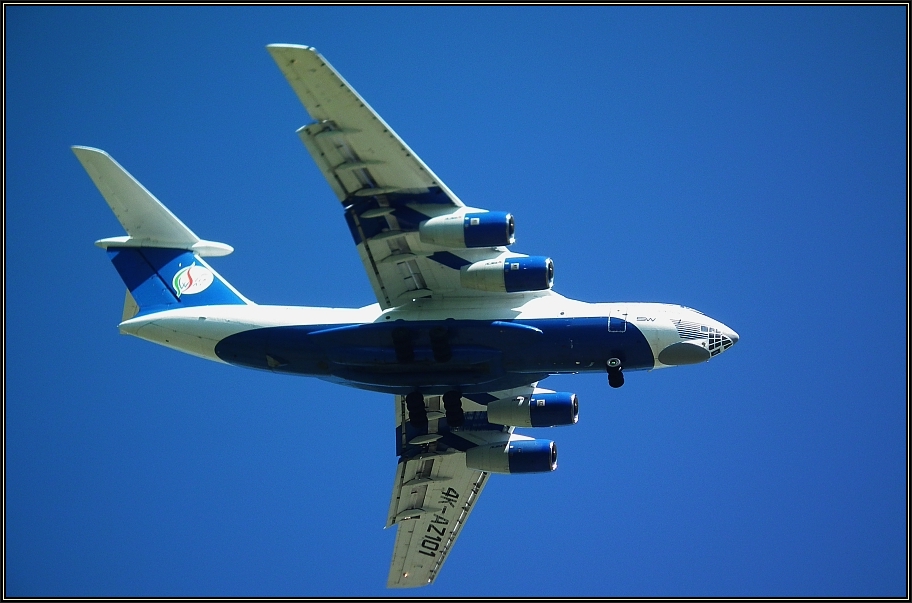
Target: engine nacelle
<point>541,410</point>
<point>461,231</point>
<point>519,456</point>
<point>509,275</point>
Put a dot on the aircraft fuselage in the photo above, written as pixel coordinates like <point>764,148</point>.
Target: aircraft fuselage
<point>420,346</point>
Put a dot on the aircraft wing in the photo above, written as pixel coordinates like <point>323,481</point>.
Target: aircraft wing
<point>387,192</point>
<point>434,492</point>
<point>358,153</point>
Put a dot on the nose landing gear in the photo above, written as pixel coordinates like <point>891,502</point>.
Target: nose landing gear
<point>615,374</point>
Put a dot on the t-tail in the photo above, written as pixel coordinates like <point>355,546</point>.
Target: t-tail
<point>160,260</point>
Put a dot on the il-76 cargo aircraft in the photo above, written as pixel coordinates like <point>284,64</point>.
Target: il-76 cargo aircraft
<point>463,330</point>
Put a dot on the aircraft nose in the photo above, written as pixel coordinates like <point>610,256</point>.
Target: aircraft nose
<point>730,333</point>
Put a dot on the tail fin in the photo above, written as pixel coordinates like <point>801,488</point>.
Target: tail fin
<point>160,259</point>
<point>163,279</point>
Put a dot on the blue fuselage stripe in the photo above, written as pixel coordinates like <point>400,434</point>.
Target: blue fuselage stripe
<point>470,355</point>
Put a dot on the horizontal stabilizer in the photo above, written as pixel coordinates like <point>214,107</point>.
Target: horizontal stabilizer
<point>147,221</point>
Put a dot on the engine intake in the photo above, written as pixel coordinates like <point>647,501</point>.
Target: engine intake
<point>541,410</point>
<point>519,456</point>
<point>461,231</point>
<point>509,275</point>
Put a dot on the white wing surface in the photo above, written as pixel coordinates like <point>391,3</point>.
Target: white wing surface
<point>387,192</point>
<point>437,506</point>
<point>148,223</point>
<point>434,492</point>
<point>359,154</point>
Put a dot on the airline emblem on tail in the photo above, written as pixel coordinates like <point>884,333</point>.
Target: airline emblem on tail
<point>192,279</point>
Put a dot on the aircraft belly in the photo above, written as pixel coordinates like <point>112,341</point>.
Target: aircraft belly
<point>438,355</point>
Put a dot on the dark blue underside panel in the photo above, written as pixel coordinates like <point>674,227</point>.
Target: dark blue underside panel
<point>470,356</point>
<point>408,218</point>
<point>450,260</point>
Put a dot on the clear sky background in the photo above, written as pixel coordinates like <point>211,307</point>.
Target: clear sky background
<point>749,162</point>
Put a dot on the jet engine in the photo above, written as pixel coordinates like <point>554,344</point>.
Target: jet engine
<point>519,456</point>
<point>509,275</point>
<point>461,231</point>
<point>540,410</point>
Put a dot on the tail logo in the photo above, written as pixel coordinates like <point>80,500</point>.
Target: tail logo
<point>192,279</point>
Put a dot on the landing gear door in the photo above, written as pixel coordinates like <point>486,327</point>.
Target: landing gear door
<point>617,320</point>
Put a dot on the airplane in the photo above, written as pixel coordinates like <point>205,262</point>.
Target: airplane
<point>462,333</point>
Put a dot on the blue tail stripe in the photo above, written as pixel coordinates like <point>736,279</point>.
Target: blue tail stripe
<point>144,283</point>
<point>161,279</point>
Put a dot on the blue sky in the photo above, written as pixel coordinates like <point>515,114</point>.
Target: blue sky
<point>749,162</point>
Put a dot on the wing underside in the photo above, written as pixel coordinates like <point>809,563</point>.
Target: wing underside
<point>385,189</point>
<point>438,493</point>
<point>434,492</point>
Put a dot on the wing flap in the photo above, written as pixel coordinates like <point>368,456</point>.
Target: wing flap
<point>436,496</point>
<point>326,158</point>
<point>352,170</point>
